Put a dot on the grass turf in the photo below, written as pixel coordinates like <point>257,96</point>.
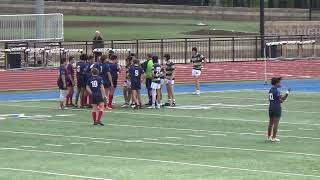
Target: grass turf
<point>221,139</point>
<point>147,28</point>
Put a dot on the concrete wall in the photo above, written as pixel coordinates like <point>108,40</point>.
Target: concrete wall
<point>148,10</point>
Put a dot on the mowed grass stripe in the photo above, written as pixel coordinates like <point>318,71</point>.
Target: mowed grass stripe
<point>165,162</point>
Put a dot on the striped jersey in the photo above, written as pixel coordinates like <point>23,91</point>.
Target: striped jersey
<point>170,68</point>
<point>156,73</point>
<point>197,60</point>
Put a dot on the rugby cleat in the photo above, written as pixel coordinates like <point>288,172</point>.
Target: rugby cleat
<point>275,140</point>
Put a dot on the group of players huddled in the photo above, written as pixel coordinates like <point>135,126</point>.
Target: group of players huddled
<point>97,79</point>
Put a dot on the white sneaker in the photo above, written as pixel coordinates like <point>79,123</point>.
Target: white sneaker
<point>158,106</point>
<point>275,140</point>
<point>269,138</point>
<point>152,107</point>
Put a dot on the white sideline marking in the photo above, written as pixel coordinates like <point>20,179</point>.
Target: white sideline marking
<point>173,137</point>
<point>165,161</point>
<point>79,144</point>
<point>104,142</point>
<point>174,144</point>
<point>304,129</point>
<point>151,139</point>
<point>55,145</point>
<point>197,136</point>
<point>65,115</point>
<point>216,134</point>
<point>28,146</point>
<point>2,118</point>
<point>52,173</point>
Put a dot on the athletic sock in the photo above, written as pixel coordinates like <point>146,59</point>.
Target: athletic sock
<point>100,116</point>
<point>110,100</point>
<point>94,117</point>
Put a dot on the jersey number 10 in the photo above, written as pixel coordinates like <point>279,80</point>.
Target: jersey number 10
<point>94,84</point>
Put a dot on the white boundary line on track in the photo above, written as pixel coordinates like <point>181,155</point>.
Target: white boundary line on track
<point>54,145</point>
<point>165,161</point>
<point>51,173</point>
<point>177,129</point>
<point>177,116</point>
<point>168,144</point>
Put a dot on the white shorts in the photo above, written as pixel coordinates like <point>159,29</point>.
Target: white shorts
<point>127,84</point>
<point>170,82</point>
<point>196,73</point>
<point>63,95</point>
<point>162,81</point>
<point>155,85</point>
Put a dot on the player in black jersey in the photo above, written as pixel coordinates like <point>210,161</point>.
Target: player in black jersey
<point>169,75</point>
<point>197,60</point>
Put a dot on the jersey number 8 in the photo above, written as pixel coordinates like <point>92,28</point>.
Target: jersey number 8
<point>136,72</point>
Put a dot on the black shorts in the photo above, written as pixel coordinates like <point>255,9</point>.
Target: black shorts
<point>115,82</point>
<point>97,99</point>
<point>60,85</point>
<point>148,84</point>
<point>275,113</point>
<point>135,86</point>
<point>81,83</point>
<point>69,83</point>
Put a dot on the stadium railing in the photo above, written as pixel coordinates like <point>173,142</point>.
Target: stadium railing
<point>215,49</point>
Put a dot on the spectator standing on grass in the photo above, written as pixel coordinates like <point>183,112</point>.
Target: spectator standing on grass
<point>97,43</point>
<point>148,68</point>
<point>197,60</point>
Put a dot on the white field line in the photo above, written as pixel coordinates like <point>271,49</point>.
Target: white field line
<point>173,144</point>
<point>176,116</point>
<point>55,145</point>
<point>255,99</point>
<point>166,162</point>
<point>24,146</point>
<point>150,139</point>
<point>79,144</point>
<point>51,173</point>
<point>65,115</point>
<point>177,129</point>
<point>305,129</point>
<point>103,142</point>
<point>196,136</point>
<point>173,137</point>
<point>216,134</point>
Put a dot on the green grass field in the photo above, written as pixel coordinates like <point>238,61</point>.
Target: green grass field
<point>222,139</point>
<point>118,28</point>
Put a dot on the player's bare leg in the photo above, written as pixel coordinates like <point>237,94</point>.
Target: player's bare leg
<point>126,96</point>
<point>107,95</point>
<point>197,84</point>
<point>135,99</point>
<point>62,99</point>
<point>111,92</point>
<point>159,95</point>
<point>139,99</point>
<point>275,130</point>
<point>94,114</point>
<point>100,109</point>
<point>270,126</point>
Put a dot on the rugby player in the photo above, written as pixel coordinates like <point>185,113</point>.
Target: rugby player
<point>275,100</point>
<point>70,82</point>
<point>88,98</point>
<point>148,66</point>
<point>127,94</point>
<point>156,83</point>
<point>170,74</point>
<point>96,90</point>
<point>114,70</point>
<point>81,80</point>
<point>136,73</point>
<point>106,76</point>
<point>198,61</point>
<point>62,82</point>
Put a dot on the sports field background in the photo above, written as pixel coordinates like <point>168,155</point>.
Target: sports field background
<point>218,135</point>
<point>126,28</point>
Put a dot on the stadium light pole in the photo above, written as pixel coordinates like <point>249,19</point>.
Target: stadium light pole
<point>262,27</point>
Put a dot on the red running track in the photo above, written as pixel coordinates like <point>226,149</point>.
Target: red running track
<point>213,72</point>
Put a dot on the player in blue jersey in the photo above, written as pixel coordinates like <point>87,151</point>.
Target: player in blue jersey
<point>275,100</point>
<point>136,74</point>
<point>127,93</point>
<point>90,64</point>
<point>81,80</point>
<point>114,70</point>
<point>62,82</point>
<point>96,90</point>
<point>106,76</point>
<point>70,82</point>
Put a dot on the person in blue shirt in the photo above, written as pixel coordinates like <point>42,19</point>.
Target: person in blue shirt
<point>90,65</point>
<point>81,81</point>
<point>62,82</point>
<point>275,100</point>
<point>114,71</point>
<point>96,89</point>
<point>70,82</point>
<point>106,76</point>
<point>136,74</point>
